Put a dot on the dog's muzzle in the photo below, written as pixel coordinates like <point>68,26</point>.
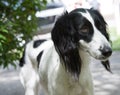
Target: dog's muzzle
<point>106,51</point>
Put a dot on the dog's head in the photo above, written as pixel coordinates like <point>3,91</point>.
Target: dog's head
<point>83,29</point>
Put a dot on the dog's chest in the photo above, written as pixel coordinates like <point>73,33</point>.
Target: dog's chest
<point>71,90</point>
<point>57,81</point>
<point>68,88</point>
<point>63,84</point>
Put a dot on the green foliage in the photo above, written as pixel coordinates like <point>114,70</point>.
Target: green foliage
<point>17,24</point>
<point>115,38</point>
<point>116,44</point>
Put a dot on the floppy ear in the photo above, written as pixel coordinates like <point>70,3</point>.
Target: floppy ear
<point>106,64</point>
<point>67,48</point>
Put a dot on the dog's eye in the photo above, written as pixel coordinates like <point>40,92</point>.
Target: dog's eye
<point>84,29</point>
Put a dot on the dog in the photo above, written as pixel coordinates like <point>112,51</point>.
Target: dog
<point>60,64</point>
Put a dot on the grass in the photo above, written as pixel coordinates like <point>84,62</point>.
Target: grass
<point>115,39</point>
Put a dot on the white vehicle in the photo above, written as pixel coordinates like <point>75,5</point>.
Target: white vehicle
<point>47,17</point>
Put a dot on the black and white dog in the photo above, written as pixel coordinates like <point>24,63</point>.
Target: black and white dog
<point>61,64</point>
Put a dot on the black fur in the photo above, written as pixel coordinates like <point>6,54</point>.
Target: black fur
<point>66,35</point>
<point>66,45</point>
<point>39,57</point>
<point>101,25</point>
<point>22,60</point>
<point>106,64</point>
<point>68,31</point>
<point>37,43</point>
<point>99,22</point>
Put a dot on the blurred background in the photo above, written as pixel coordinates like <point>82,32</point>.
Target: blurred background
<point>22,20</point>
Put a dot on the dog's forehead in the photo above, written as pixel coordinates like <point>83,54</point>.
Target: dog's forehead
<point>87,16</point>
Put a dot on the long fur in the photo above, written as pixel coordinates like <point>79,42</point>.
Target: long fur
<point>66,45</point>
<point>61,62</point>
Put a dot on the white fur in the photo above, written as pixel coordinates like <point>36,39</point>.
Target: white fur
<point>51,74</point>
<point>98,40</point>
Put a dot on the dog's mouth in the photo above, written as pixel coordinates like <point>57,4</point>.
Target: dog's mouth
<point>98,57</point>
<point>97,54</point>
<point>104,61</point>
<point>106,64</point>
<point>102,58</point>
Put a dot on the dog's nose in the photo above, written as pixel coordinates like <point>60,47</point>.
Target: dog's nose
<point>106,51</point>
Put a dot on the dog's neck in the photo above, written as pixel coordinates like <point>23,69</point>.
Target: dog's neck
<point>85,78</point>
<point>85,59</point>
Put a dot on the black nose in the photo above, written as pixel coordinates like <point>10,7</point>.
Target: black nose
<point>106,51</point>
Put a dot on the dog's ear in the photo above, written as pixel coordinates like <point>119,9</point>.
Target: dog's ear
<point>67,48</point>
<point>106,64</point>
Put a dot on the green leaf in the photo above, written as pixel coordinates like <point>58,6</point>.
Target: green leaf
<point>2,37</point>
<point>1,47</point>
<point>4,30</point>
